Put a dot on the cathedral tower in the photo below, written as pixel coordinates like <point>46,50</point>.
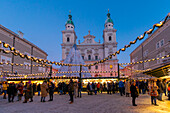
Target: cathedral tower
<point>69,37</point>
<point>109,37</point>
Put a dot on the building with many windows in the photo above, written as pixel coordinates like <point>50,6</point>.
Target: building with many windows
<point>90,50</point>
<point>155,46</point>
<point>24,46</point>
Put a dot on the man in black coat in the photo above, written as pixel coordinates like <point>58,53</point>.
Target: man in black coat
<point>12,90</point>
<point>51,91</point>
<point>71,90</point>
<point>134,93</point>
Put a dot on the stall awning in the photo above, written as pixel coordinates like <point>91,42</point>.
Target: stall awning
<point>159,71</point>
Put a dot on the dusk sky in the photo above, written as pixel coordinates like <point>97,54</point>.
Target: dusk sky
<point>42,21</point>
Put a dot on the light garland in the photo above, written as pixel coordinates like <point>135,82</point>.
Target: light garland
<point>17,64</point>
<point>148,60</point>
<point>62,72</point>
<point>17,53</point>
<point>40,78</point>
<point>25,75</point>
<point>139,71</point>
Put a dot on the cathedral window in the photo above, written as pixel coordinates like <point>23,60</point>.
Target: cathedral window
<point>89,57</point>
<point>68,39</point>
<point>83,57</point>
<point>89,67</point>
<point>110,38</point>
<point>96,57</point>
<point>106,25</point>
<point>96,67</point>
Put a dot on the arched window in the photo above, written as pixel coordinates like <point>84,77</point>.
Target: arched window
<point>89,67</point>
<point>110,38</point>
<point>68,39</point>
<point>89,57</point>
<point>96,67</point>
<point>96,57</point>
<point>83,57</point>
<point>111,74</point>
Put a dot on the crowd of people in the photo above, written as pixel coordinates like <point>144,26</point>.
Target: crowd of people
<point>155,88</point>
<point>28,91</point>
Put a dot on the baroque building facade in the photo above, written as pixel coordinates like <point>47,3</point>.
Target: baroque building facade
<point>92,51</point>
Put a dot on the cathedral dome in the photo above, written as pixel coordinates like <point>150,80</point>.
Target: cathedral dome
<point>69,21</point>
<point>108,20</point>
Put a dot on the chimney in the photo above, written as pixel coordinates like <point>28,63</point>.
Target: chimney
<point>21,34</point>
<point>79,41</point>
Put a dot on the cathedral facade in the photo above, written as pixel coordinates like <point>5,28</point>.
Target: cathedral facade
<point>92,51</point>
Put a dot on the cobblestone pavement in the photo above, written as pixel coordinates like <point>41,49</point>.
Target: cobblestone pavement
<point>101,103</point>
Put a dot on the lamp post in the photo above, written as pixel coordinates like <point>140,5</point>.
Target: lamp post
<point>80,79</point>
<point>118,72</point>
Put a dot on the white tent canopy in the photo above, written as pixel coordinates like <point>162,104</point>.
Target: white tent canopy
<point>74,57</point>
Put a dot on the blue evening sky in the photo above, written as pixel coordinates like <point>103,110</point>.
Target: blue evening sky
<point>42,21</point>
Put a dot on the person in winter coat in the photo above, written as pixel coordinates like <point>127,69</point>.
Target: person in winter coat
<point>75,89</point>
<point>20,91</point>
<point>153,92</point>
<point>39,89</point>
<point>121,86</point>
<point>4,89</point>
<point>95,89</point>
<point>113,87</point>
<point>98,86</point>
<point>127,88</point>
<point>44,88</point>
<point>134,93</point>
<point>11,92</point>
<point>88,88</point>
<point>79,89</point>
<point>161,88</point>
<point>169,91</point>
<point>71,90</point>
<point>28,89</point>
<point>51,91</point>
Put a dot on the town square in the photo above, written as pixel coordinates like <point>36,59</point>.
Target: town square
<point>84,56</point>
